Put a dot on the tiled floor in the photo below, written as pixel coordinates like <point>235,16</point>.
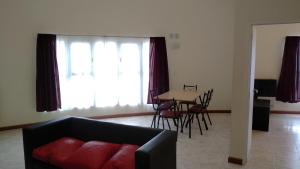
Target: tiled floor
<point>277,149</point>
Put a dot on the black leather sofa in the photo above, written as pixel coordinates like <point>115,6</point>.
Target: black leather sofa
<point>157,147</point>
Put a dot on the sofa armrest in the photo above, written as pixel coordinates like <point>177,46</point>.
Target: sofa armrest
<point>41,134</point>
<point>158,153</point>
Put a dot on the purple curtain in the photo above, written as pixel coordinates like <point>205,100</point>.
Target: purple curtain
<point>288,89</point>
<point>47,77</point>
<point>158,70</point>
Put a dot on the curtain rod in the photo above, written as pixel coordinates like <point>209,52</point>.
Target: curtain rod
<point>114,36</point>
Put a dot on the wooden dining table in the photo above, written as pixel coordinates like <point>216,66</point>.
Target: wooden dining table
<point>181,95</point>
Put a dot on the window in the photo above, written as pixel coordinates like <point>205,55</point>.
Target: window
<point>102,71</point>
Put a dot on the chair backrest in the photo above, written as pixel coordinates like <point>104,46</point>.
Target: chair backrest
<point>167,104</point>
<point>158,104</point>
<point>154,99</point>
<point>174,106</point>
<point>203,100</point>
<point>210,93</point>
<point>190,87</point>
<point>206,98</point>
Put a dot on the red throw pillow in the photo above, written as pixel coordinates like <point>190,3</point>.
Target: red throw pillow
<point>123,159</point>
<point>57,151</point>
<point>91,155</point>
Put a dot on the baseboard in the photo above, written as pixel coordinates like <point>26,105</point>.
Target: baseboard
<point>105,117</point>
<point>17,126</point>
<point>284,112</point>
<point>235,160</point>
<point>93,117</point>
<point>219,111</point>
<point>122,115</point>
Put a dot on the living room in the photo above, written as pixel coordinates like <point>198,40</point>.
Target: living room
<point>212,49</point>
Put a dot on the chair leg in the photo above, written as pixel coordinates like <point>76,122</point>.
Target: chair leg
<point>208,117</point>
<point>188,120</point>
<point>191,117</point>
<point>199,123</point>
<point>181,124</point>
<point>163,122</point>
<point>185,118</point>
<point>175,123</point>
<point>168,124</point>
<point>153,121</point>
<point>203,119</point>
<point>158,121</point>
<point>187,110</point>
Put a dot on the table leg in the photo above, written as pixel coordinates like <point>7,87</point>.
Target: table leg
<point>189,121</point>
<point>203,119</point>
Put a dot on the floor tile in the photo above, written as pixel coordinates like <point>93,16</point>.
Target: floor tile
<point>277,149</point>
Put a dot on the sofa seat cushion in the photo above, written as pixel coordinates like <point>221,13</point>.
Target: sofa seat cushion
<point>57,151</point>
<point>123,159</point>
<point>91,155</point>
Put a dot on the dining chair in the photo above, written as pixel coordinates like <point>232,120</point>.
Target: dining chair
<point>173,113</point>
<point>188,103</point>
<point>153,94</point>
<point>206,103</point>
<point>194,111</point>
<point>202,108</point>
<point>158,105</point>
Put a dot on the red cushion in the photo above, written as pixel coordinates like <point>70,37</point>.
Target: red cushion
<point>188,102</point>
<point>91,155</point>
<point>57,151</point>
<point>123,159</point>
<point>170,113</point>
<point>197,108</point>
<point>166,105</point>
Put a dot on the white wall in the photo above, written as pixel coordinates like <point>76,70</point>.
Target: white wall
<point>205,54</point>
<point>269,51</point>
<point>248,13</point>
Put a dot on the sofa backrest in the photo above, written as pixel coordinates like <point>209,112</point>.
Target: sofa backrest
<point>88,129</point>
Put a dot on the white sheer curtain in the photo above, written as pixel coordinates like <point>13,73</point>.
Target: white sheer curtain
<point>102,71</point>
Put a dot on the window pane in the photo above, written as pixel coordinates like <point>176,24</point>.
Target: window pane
<point>106,73</point>
<point>79,92</point>
<point>100,72</point>
<point>129,89</point>
<point>80,58</point>
<point>129,58</point>
<point>62,59</point>
<point>145,64</point>
<point>129,77</point>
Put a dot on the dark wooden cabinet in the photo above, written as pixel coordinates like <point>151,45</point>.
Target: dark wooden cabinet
<point>261,114</point>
